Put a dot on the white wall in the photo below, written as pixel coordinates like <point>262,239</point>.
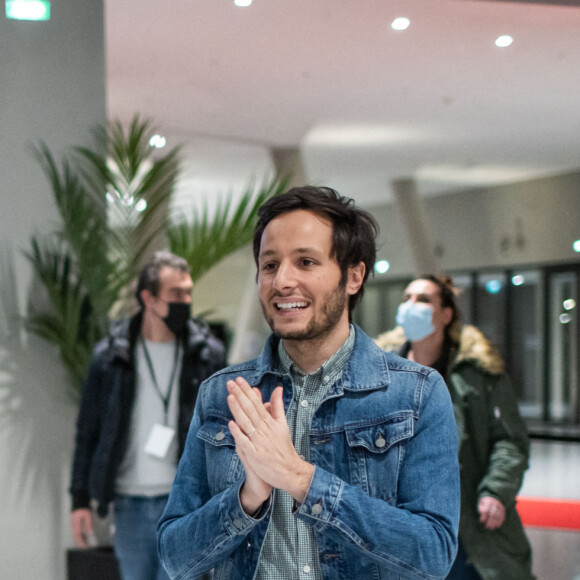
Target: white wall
<point>52,88</point>
<point>532,222</point>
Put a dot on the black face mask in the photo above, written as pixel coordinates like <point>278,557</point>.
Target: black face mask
<point>177,317</point>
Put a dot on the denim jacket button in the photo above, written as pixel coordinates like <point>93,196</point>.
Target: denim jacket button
<point>220,436</point>
<point>380,442</point>
<point>238,523</point>
<point>316,509</point>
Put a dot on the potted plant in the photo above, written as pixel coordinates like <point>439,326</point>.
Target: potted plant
<point>113,201</point>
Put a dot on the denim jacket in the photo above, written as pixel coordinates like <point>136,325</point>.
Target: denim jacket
<point>384,498</point>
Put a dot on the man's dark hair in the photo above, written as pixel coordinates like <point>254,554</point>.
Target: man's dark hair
<point>354,230</point>
<point>149,278</point>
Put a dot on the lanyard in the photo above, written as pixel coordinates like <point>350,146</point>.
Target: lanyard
<point>164,399</point>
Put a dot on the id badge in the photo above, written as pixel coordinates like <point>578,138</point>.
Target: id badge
<point>159,440</point>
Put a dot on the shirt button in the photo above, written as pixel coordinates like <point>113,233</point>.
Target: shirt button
<point>316,509</point>
<point>304,403</point>
<point>326,379</point>
<point>306,569</point>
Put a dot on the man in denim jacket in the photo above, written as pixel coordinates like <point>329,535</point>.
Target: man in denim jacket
<point>325,457</point>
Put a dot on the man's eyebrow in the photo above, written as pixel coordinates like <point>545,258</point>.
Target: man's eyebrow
<point>297,251</point>
<point>308,251</point>
<point>266,253</point>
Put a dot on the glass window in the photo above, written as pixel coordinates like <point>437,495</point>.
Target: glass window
<point>525,336</point>
<point>464,300</point>
<point>367,314</point>
<point>563,332</point>
<point>531,315</point>
<point>490,314</point>
<point>377,311</point>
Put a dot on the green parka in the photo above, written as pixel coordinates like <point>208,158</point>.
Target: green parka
<point>493,452</point>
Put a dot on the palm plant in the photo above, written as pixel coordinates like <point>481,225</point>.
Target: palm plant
<point>206,239</point>
<point>113,203</point>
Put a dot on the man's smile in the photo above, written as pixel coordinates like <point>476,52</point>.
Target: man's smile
<point>290,306</point>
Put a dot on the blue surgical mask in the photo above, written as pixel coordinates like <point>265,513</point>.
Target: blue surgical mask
<point>416,318</point>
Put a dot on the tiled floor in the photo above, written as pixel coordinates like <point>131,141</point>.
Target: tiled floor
<point>554,470</point>
<point>554,473</point>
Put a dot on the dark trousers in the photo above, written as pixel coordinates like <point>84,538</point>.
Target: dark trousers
<point>462,569</point>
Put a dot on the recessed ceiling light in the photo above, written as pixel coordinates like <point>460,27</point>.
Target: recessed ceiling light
<point>28,9</point>
<point>400,23</point>
<point>503,41</point>
<point>158,141</point>
<point>242,3</point>
<point>141,205</point>
<point>382,266</point>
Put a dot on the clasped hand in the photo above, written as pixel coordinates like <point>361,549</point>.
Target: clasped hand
<point>265,447</point>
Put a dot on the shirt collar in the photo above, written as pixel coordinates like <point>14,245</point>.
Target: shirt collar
<point>332,366</point>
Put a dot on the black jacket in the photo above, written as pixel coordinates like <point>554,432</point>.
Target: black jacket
<point>107,402</point>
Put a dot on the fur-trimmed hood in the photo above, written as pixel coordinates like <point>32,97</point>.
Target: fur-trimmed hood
<point>473,347</point>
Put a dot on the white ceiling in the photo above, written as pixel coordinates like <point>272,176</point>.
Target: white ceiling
<point>364,103</point>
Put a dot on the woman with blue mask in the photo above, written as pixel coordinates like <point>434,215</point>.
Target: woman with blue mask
<point>494,446</point>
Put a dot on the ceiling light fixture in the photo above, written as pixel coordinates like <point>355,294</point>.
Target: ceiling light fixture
<point>28,9</point>
<point>242,3</point>
<point>503,41</point>
<point>382,266</point>
<point>158,141</point>
<point>400,23</point>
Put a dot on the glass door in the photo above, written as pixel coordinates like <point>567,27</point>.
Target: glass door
<point>562,328</point>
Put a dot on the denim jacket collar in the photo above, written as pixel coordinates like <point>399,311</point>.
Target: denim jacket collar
<point>366,370</point>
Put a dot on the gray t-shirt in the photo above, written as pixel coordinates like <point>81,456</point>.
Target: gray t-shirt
<point>141,473</point>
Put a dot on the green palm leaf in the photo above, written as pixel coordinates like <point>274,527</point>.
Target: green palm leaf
<point>203,240</point>
<point>72,323</point>
<point>130,175</point>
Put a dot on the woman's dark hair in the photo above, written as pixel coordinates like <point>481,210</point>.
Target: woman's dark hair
<point>149,278</point>
<point>354,230</point>
<point>448,293</point>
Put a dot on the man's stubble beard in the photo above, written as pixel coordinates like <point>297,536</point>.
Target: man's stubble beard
<point>330,316</point>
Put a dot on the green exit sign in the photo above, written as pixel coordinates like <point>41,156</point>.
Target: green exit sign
<point>28,9</point>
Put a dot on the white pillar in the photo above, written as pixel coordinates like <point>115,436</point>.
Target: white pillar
<point>47,95</point>
<point>417,226</point>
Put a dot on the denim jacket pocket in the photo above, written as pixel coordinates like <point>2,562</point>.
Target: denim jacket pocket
<point>223,465</point>
<point>376,451</point>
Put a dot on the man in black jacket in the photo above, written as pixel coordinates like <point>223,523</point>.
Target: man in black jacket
<point>135,411</point>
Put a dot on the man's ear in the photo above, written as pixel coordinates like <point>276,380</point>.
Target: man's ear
<point>355,279</point>
<point>146,297</point>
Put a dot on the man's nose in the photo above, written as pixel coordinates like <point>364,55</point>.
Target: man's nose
<point>285,277</point>
<point>185,296</point>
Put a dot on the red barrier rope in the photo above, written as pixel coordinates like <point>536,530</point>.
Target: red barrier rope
<point>551,513</point>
